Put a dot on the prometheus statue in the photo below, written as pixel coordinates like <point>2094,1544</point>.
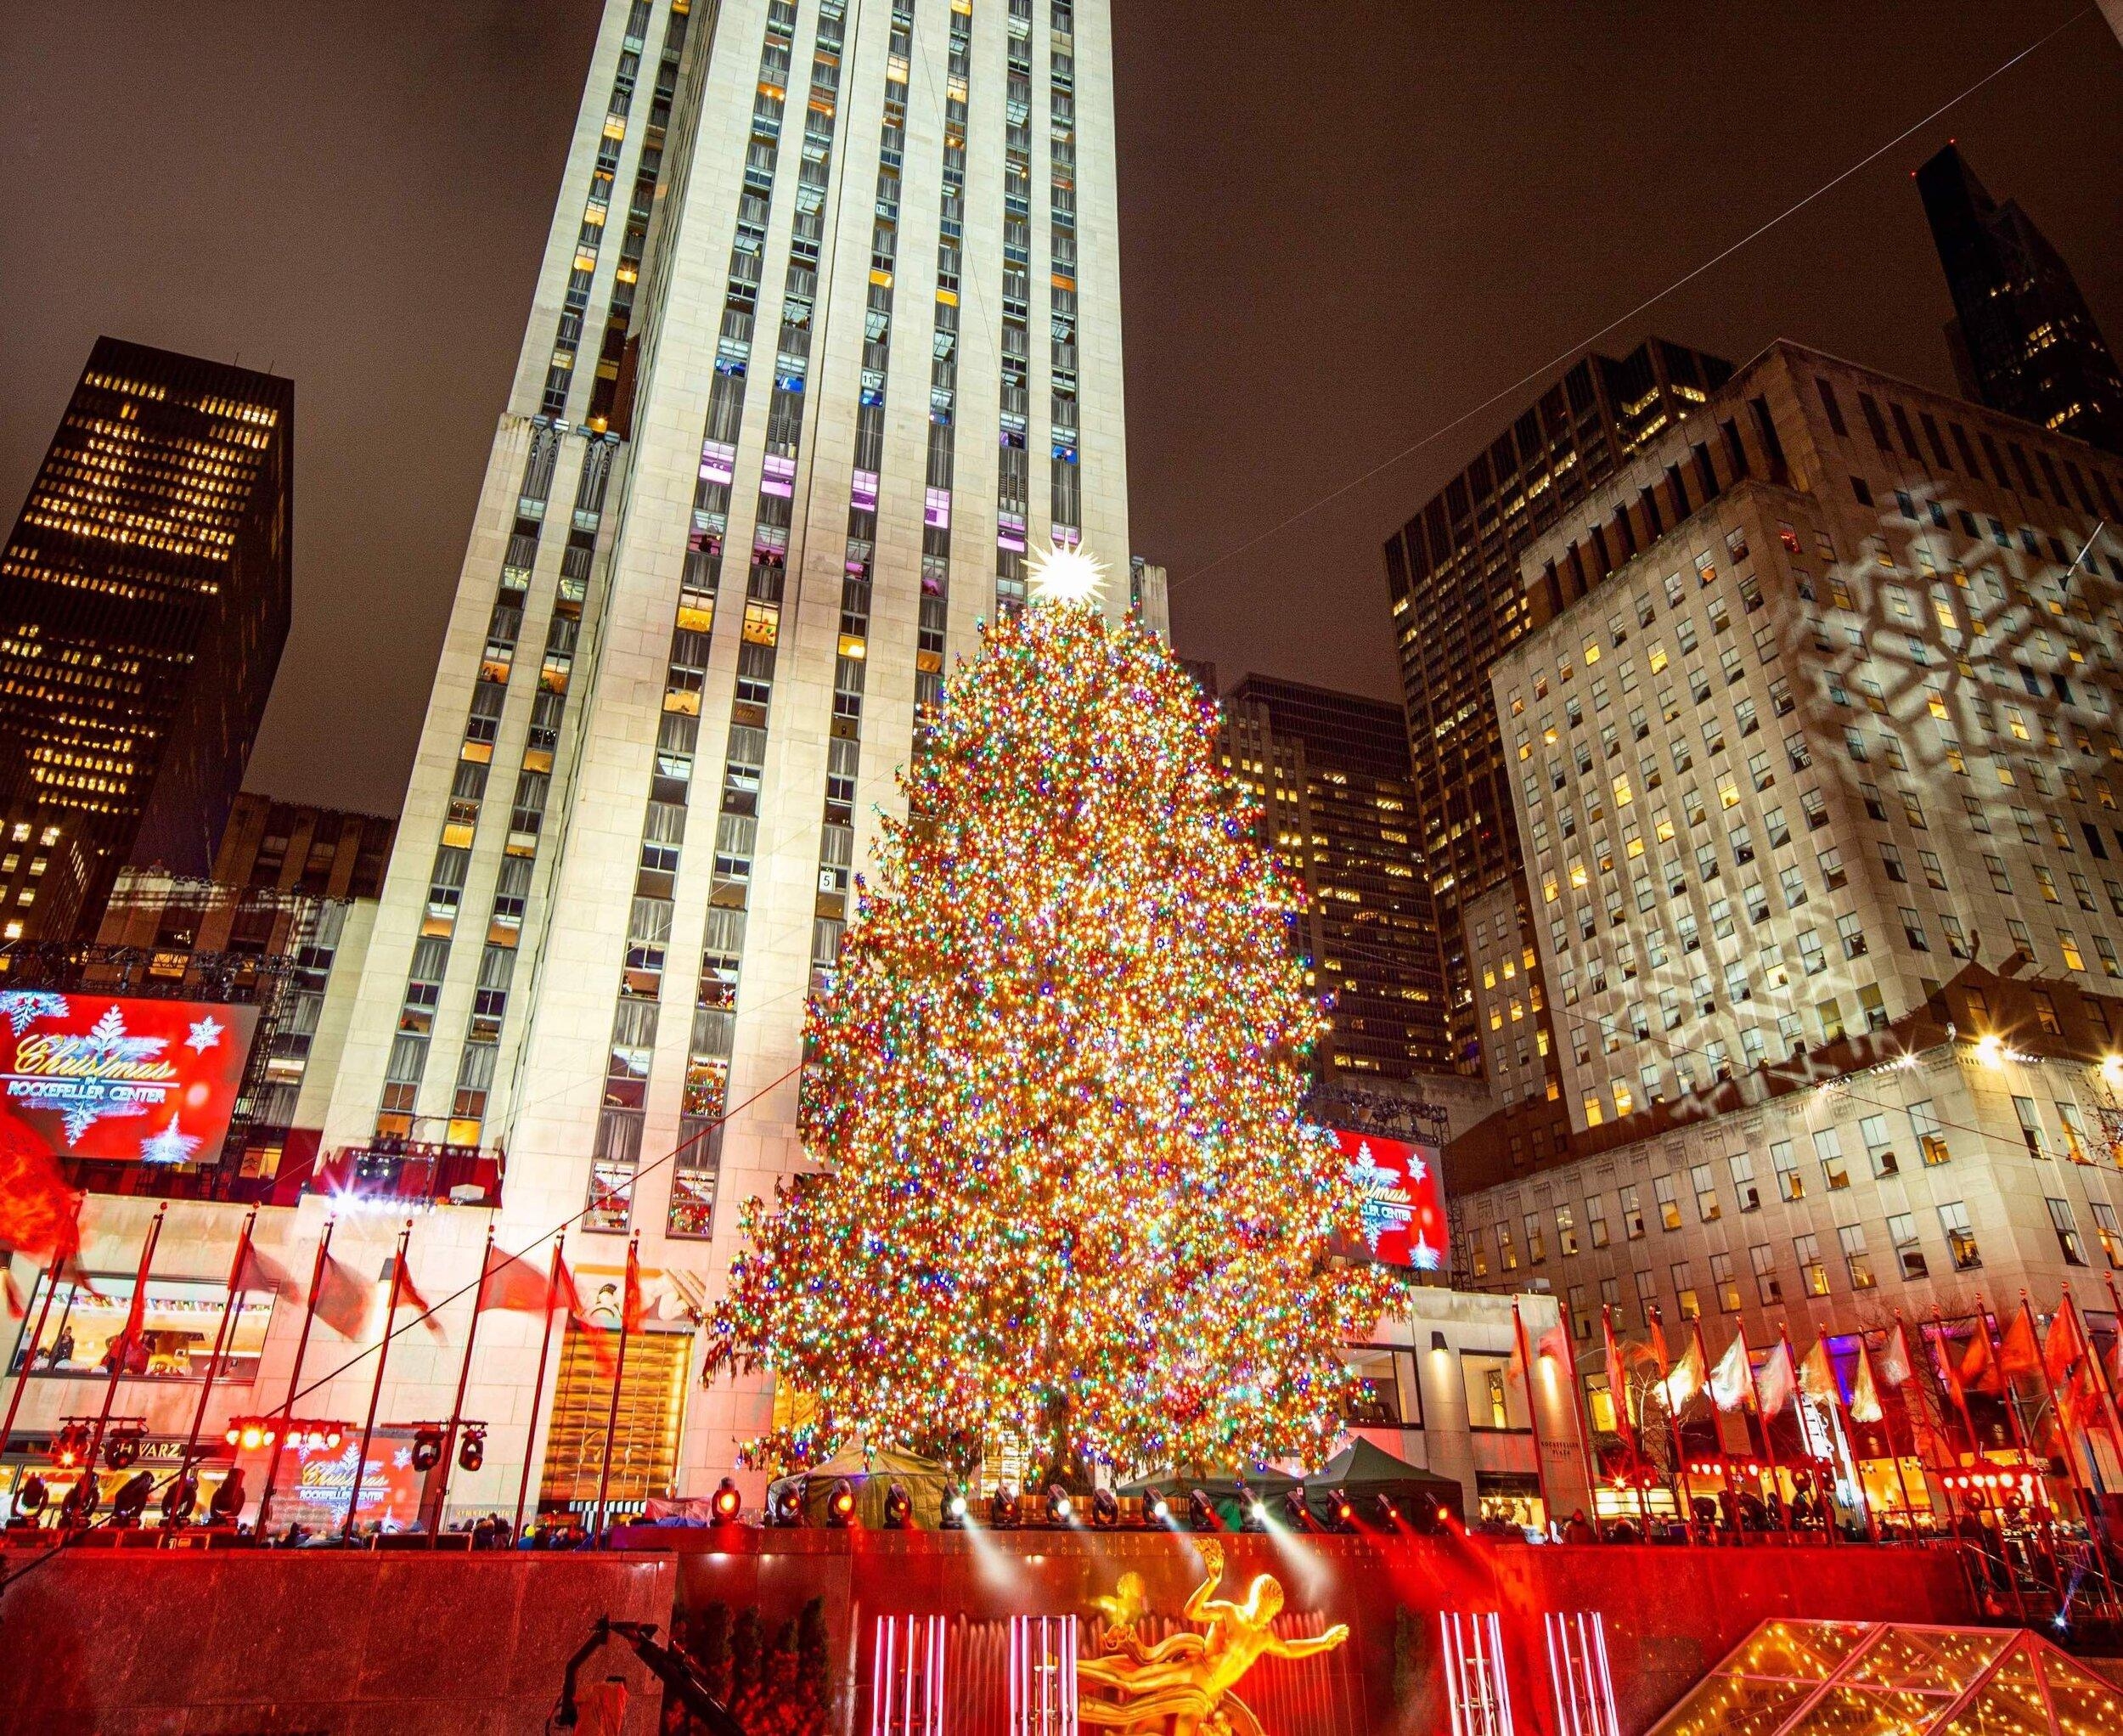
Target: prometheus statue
<point>1181,1686</point>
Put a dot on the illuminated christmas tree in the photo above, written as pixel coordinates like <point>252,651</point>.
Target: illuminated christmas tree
<point>1055,1088</point>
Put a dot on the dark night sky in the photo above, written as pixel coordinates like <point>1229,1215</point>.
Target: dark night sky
<point>1343,226</point>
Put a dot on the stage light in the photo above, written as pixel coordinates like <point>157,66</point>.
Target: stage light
<point>30,1497</point>
<point>70,1446</point>
<point>1060,1508</point>
<point>227,1501</point>
<point>180,1498</point>
<point>471,1451</point>
<point>1002,1508</point>
<point>840,1505</point>
<point>1256,1519</point>
<point>121,1445</point>
<point>727,1502</point>
<point>1200,1511</point>
<point>1342,1509</point>
<point>899,1509</point>
<point>788,1505</point>
<point>1297,1512</point>
<point>1157,1510</point>
<point>427,1447</point>
<point>132,1500</point>
<point>1388,1514</point>
<point>952,1514</point>
<point>1105,1509</point>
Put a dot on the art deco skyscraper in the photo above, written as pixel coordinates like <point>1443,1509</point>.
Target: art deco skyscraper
<point>827,336</point>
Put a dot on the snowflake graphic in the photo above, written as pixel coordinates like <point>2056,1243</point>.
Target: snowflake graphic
<point>79,1117</point>
<point>1386,1204</point>
<point>171,1146</point>
<point>107,1040</point>
<point>22,1007</point>
<point>204,1035</point>
<point>402,1457</point>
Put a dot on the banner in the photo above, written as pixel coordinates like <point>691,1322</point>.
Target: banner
<point>1403,1198</point>
<point>122,1080</point>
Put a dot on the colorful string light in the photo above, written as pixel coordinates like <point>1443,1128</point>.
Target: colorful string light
<point>1055,1088</point>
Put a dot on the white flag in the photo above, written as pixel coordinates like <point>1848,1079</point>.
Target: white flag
<point>1685,1382</point>
<point>1731,1379</point>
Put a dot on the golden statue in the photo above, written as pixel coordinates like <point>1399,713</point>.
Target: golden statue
<point>1182,1685</point>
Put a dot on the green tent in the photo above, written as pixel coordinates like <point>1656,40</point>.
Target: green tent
<point>870,1476</point>
<point>1361,1468</point>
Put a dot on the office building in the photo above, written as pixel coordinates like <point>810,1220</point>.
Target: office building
<point>1331,772</point>
<point>1454,572</point>
<point>825,342</point>
<point>1819,793</point>
<point>2024,339</point>
<point>146,595</point>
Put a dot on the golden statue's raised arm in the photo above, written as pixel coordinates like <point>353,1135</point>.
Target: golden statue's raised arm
<point>1333,1636</point>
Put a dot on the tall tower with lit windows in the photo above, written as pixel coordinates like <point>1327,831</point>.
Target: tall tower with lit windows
<point>825,338</point>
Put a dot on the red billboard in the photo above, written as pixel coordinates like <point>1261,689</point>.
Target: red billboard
<point>1404,1199</point>
<point>117,1080</point>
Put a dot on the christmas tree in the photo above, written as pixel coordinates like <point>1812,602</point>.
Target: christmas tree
<point>1055,1087</point>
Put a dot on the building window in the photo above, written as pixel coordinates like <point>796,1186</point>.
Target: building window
<point>1565,1232</point>
<point>1835,1171</point>
<point>1536,1243</point>
<point>1685,1291</point>
<point>1879,1148</point>
<point>1790,1184</point>
<point>2030,1126</point>
<point>1909,1257</point>
<point>1769,1288</point>
<point>1953,1219</point>
<point>1633,1212</point>
<point>1813,1276</point>
<point>1723,1282</point>
<point>1669,1202</point>
<point>2060,1219</point>
<point>1494,1402</point>
<point>2105,1227</point>
<point>1855,1260</point>
<point>1596,1220</point>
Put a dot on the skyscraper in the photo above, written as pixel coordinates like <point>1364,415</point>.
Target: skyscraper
<point>779,437</point>
<point>146,597</point>
<point>1330,771</point>
<point>2023,338</point>
<point>1459,596</point>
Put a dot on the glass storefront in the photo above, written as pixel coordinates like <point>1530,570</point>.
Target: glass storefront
<point>180,1319</point>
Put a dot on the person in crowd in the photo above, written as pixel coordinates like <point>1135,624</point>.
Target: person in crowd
<point>1578,1530</point>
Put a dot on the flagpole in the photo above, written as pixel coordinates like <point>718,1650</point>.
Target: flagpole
<point>1822,1500</point>
<point>2101,1381</point>
<point>220,1341</point>
<point>29,1351</point>
<point>538,1387</point>
<point>2089,1503</point>
<point>1673,1425</point>
<point>295,1379</point>
<point>1751,1397</point>
<point>375,1392</point>
<point>1533,1412</point>
<point>1567,1327</point>
<point>124,1343</point>
<point>618,1379</point>
<point>2080,1493</point>
<point>464,1376</point>
<point>1717,1432</point>
<point>1848,1429</point>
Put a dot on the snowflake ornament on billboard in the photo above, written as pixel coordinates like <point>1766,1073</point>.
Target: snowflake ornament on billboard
<point>204,1035</point>
<point>172,1145</point>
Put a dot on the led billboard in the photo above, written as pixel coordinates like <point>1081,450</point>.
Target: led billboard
<point>116,1080</point>
<point>1404,1199</point>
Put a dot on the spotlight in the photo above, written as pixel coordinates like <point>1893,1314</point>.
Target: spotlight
<point>471,1451</point>
<point>788,1505</point>
<point>30,1497</point>
<point>70,1446</point>
<point>180,1498</point>
<point>131,1501</point>
<point>1105,1509</point>
<point>1296,1511</point>
<point>1256,1516</point>
<point>1388,1514</point>
<point>951,1515</point>
<point>1060,1508</point>
<point>427,1447</point>
<point>79,1502</point>
<point>726,1503</point>
<point>1341,1509</point>
<point>1002,1508</point>
<point>227,1501</point>
<point>1200,1511</point>
<point>899,1509</point>
<point>840,1505</point>
<point>1157,1510</point>
<point>121,1445</point>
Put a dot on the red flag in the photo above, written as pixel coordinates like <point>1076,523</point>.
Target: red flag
<point>1659,1346</point>
<point>344,1298</point>
<point>256,1270</point>
<point>40,1215</point>
<point>1554,1344</point>
<point>126,1353</point>
<point>409,1296</point>
<point>1617,1379</point>
<point>1978,1371</point>
<point>630,1307</point>
<point>16,1306</point>
<point>2063,1347</point>
<point>2022,1352</point>
<point>513,1283</point>
<point>598,1338</point>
